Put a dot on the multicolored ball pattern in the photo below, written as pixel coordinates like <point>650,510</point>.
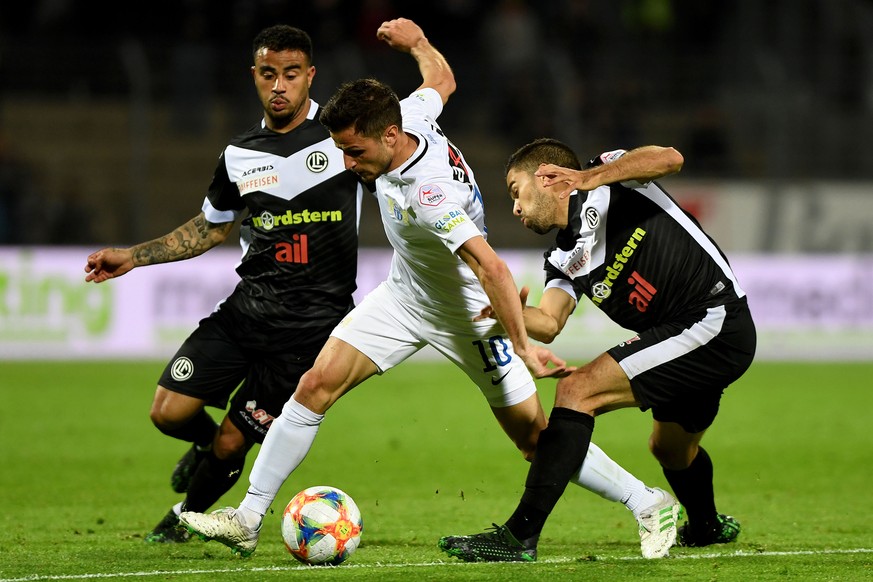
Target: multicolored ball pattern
<point>322,525</point>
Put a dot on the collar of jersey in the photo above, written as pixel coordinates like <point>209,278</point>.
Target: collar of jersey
<point>396,175</point>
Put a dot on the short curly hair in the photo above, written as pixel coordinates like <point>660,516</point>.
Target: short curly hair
<point>282,37</point>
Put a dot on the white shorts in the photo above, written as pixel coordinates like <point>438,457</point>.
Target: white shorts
<point>389,332</point>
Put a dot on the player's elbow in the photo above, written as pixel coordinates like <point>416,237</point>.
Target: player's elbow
<point>449,83</point>
<point>673,160</point>
<point>546,337</point>
<point>445,86</point>
<point>545,331</point>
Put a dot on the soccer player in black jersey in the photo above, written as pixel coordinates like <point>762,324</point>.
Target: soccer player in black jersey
<point>286,182</point>
<point>625,244</point>
<point>442,276</point>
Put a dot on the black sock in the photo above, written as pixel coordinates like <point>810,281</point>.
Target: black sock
<point>560,451</point>
<point>200,430</point>
<point>693,489</point>
<point>212,479</point>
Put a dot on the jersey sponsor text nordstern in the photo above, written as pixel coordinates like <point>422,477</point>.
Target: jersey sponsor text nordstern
<point>302,217</point>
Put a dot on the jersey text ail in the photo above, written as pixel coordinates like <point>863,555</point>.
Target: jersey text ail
<point>295,251</point>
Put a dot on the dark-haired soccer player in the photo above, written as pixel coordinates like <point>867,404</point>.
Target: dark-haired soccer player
<point>443,274</point>
<point>625,244</point>
<point>299,208</point>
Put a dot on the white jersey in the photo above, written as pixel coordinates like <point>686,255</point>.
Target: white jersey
<point>430,206</point>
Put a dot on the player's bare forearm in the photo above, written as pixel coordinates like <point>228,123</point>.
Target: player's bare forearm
<point>540,326</point>
<point>546,321</point>
<point>642,164</point>
<point>507,307</point>
<point>435,70</point>
<point>191,239</point>
<point>500,287</point>
<point>406,36</point>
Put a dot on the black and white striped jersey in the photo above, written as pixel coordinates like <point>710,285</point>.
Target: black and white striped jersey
<point>300,233</point>
<point>637,255</point>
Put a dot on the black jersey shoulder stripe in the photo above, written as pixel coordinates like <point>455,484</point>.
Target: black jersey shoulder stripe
<point>659,197</point>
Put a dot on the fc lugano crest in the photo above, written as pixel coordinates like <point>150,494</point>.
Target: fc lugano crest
<point>182,369</point>
<point>316,162</point>
<point>592,217</point>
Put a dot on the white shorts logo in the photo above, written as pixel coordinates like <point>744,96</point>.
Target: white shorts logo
<point>182,369</point>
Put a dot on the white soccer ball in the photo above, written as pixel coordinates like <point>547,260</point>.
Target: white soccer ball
<point>322,525</point>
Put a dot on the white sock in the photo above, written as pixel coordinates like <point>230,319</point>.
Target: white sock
<point>602,475</point>
<point>287,442</point>
<point>177,509</point>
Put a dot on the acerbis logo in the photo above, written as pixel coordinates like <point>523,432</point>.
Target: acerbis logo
<point>592,217</point>
<point>257,169</point>
<point>316,162</point>
<point>182,369</point>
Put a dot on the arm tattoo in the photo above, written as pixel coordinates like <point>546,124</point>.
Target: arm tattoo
<point>193,238</point>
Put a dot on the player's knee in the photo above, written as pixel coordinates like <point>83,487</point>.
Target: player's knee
<point>528,454</point>
<point>229,445</point>
<point>527,446</point>
<point>671,455</point>
<point>314,391</point>
<point>312,382</point>
<point>166,414</point>
<point>163,422</point>
<point>577,391</point>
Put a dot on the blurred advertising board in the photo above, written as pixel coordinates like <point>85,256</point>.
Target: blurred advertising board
<point>805,306</point>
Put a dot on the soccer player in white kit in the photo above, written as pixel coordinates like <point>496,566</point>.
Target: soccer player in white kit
<point>443,274</point>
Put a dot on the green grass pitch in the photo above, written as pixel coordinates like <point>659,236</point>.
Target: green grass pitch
<point>84,475</point>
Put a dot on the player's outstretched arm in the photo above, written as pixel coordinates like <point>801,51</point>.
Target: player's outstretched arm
<point>191,239</point>
<point>642,164</point>
<point>406,36</point>
<point>497,281</point>
<point>546,321</point>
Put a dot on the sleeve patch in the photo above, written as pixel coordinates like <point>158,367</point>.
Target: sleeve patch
<point>450,220</point>
<point>607,157</point>
<point>430,195</point>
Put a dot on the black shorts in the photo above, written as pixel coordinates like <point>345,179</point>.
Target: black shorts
<point>680,369</point>
<point>229,350</point>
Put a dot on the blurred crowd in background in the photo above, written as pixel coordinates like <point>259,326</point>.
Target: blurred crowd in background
<point>748,90</point>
